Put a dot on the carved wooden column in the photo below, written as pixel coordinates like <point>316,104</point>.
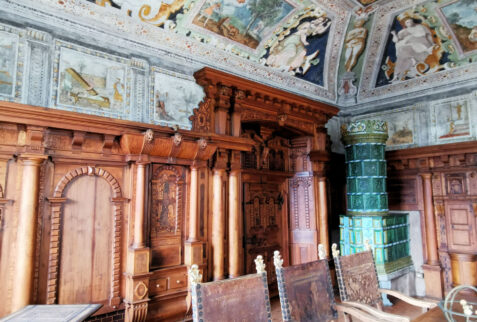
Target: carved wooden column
<point>218,216</point>
<point>137,270</point>
<point>193,246</point>
<point>319,159</point>
<point>235,217</point>
<point>432,269</point>
<point>222,106</point>
<point>26,231</point>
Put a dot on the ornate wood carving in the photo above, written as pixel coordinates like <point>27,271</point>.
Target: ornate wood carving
<point>56,203</point>
<point>263,211</point>
<point>167,215</point>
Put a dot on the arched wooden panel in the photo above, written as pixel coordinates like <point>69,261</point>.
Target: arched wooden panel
<point>86,238</point>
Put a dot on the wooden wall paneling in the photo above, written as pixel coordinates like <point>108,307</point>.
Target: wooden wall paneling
<point>450,168</point>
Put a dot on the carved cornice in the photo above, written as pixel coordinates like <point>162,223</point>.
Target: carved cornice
<point>436,157</point>
<point>167,146</point>
<point>251,95</point>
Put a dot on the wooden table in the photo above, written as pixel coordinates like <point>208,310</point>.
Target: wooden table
<point>53,313</point>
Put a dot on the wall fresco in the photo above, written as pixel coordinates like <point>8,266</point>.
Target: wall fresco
<point>8,58</point>
<point>175,96</point>
<point>451,120</point>
<point>92,81</point>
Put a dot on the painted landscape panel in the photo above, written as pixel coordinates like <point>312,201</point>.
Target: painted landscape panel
<point>462,19</point>
<point>174,98</point>
<point>91,82</point>
<point>452,120</point>
<point>8,55</point>
<point>243,21</point>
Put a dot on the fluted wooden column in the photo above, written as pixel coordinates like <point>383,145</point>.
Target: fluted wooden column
<point>137,268</point>
<point>323,214</point>
<point>235,235</point>
<point>193,213</point>
<point>432,269</point>
<point>26,231</point>
<point>139,205</point>
<point>218,218</point>
<point>193,246</point>
<point>431,234</point>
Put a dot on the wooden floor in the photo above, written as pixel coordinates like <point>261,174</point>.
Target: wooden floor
<point>399,307</point>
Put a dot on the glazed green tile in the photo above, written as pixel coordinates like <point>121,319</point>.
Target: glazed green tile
<point>370,168</point>
<point>362,152</point>
<point>378,237</point>
<point>355,169</point>
<point>371,202</point>
<point>364,184</point>
<point>377,222</point>
<point>350,153</point>
<point>358,237</point>
<point>382,168</point>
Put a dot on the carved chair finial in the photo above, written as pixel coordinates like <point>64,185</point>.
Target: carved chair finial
<point>195,277</point>
<point>277,259</point>
<point>334,251</point>
<point>321,251</point>
<point>259,264</point>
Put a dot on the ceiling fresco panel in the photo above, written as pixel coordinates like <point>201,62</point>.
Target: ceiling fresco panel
<point>413,49</point>
<point>286,37</point>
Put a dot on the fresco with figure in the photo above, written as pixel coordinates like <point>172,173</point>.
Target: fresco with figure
<point>8,56</point>
<point>421,42</point>
<point>452,120</point>
<point>288,37</point>
<point>175,96</point>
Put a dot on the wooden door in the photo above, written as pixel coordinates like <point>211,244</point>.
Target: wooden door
<point>86,242</point>
<point>263,228</point>
<point>460,226</point>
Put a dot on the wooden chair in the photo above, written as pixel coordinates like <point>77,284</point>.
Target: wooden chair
<point>359,286</point>
<point>241,299</point>
<point>306,293</point>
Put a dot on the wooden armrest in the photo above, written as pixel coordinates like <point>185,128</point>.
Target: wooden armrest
<point>359,314</point>
<point>408,299</point>
<point>378,315</point>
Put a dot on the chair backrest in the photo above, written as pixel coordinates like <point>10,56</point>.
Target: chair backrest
<point>357,277</point>
<point>306,293</point>
<point>239,299</point>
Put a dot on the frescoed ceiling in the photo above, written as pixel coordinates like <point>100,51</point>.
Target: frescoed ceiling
<point>357,54</point>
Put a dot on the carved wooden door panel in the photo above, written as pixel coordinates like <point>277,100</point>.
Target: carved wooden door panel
<point>86,242</point>
<point>167,213</point>
<point>263,213</point>
<point>461,226</point>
